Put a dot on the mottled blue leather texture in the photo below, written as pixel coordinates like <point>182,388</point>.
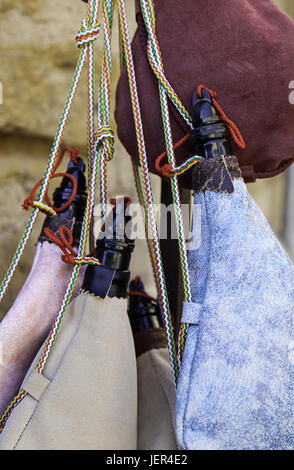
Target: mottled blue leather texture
<point>236,381</point>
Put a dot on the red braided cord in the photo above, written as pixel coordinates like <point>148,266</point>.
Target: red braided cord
<point>29,202</point>
<point>236,134</point>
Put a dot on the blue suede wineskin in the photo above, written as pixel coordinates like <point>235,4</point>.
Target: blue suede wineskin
<point>235,387</point>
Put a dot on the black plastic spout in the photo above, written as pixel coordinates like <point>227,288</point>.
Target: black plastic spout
<point>143,311</point>
<point>210,136</point>
<point>72,216</point>
<point>75,211</point>
<point>114,250</point>
<point>62,194</point>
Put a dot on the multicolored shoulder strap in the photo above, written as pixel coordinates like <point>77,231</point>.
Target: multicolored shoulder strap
<point>166,92</point>
<point>88,33</point>
<point>100,151</point>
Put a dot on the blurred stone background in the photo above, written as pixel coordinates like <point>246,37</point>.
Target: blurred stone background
<point>38,54</point>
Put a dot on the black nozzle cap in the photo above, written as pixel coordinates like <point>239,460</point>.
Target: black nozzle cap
<point>115,245</point>
<point>210,136</point>
<point>62,194</point>
<point>114,250</point>
<point>77,170</point>
<point>204,111</point>
<point>75,211</point>
<point>72,216</point>
<point>143,311</point>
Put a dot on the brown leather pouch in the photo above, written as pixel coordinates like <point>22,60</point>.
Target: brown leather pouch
<point>243,49</point>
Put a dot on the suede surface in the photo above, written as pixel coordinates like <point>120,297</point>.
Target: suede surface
<point>156,401</point>
<point>88,397</point>
<point>235,388</point>
<point>243,49</point>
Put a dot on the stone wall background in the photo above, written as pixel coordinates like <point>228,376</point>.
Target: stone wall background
<point>37,56</point>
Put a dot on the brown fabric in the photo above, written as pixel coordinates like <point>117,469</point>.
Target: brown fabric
<point>152,338</point>
<point>243,49</point>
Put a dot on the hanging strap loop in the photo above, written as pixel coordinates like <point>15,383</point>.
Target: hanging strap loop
<point>65,243</point>
<point>156,62</point>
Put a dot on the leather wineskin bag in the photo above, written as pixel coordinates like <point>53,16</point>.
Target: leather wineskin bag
<point>235,389</point>
<point>88,392</point>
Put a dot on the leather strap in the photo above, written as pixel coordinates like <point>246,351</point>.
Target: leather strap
<point>36,384</point>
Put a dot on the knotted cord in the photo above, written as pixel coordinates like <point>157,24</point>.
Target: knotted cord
<point>65,244</point>
<point>104,142</point>
<point>50,209</point>
<point>155,58</point>
<point>100,151</point>
<point>94,163</point>
<point>167,169</point>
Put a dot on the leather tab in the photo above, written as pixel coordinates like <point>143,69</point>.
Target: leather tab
<point>36,384</point>
<point>191,313</point>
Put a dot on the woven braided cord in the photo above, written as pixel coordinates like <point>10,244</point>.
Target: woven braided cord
<point>91,21</point>
<point>179,170</point>
<point>147,191</point>
<point>54,152</point>
<point>17,399</point>
<point>100,149</point>
<point>155,59</point>
<point>148,234</point>
<point>104,134</point>
<point>93,161</point>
